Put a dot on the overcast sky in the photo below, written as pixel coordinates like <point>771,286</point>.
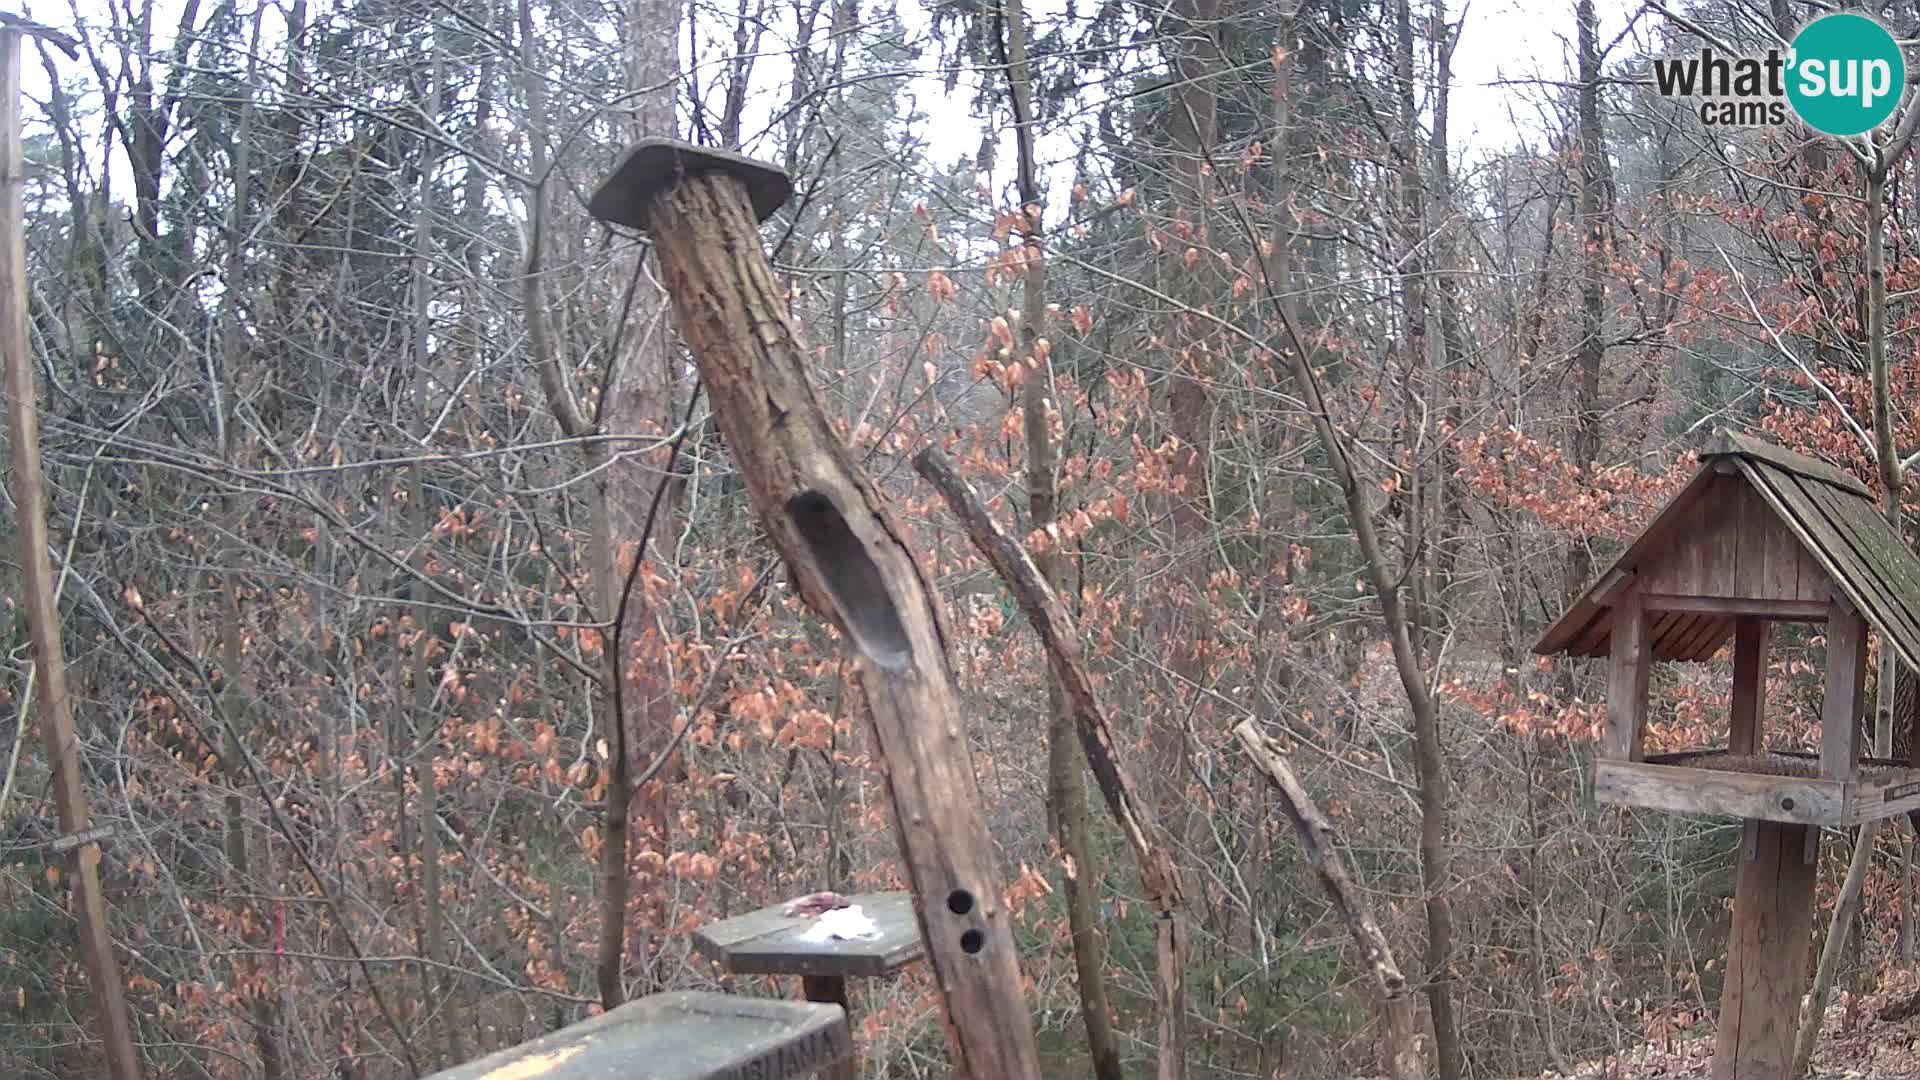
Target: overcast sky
<point>1503,43</point>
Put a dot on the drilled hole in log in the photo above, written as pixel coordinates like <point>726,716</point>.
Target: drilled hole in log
<point>850,574</point>
<point>1786,804</point>
<point>959,901</point>
<point>972,942</point>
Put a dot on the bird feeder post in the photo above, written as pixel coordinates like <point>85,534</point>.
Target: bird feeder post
<point>845,552</point>
<point>1766,953</point>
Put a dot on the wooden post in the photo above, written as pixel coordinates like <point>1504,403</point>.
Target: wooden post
<point>1846,687</point>
<point>1747,733</point>
<point>832,990</point>
<point>36,571</point>
<point>845,552</point>
<point>1625,736</point>
<point>1767,955</point>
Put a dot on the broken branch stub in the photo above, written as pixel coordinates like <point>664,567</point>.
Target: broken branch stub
<point>848,560</point>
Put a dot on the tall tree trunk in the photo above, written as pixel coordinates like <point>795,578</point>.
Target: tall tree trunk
<point>1192,131</point>
<point>1451,377</point>
<point>1590,349</point>
<point>1846,907</point>
<point>237,691</point>
<point>637,400</point>
<point>1415,363</point>
<point>1429,752</point>
<point>1066,761</point>
<point>438,1000</point>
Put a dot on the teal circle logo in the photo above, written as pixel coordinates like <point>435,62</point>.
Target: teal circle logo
<point>1846,74</point>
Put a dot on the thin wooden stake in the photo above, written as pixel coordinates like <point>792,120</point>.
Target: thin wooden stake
<point>43,616</point>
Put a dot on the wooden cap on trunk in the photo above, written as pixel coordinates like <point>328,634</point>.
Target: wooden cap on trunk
<point>656,164</point>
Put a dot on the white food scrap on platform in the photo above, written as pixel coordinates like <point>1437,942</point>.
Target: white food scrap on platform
<point>841,924</point>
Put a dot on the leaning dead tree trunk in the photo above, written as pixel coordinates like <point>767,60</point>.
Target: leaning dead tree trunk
<point>1402,1056</point>
<point>845,551</point>
<point>1158,877</point>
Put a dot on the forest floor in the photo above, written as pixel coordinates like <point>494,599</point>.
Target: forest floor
<point>1855,1044</point>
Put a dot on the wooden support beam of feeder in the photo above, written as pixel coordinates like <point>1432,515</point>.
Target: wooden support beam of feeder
<point>848,560</point>
<point>1766,954</point>
<point>1632,658</point>
<point>1846,688</point>
<point>1747,732</point>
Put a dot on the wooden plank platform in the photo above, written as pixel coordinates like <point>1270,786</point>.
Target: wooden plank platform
<point>684,1035</point>
<point>1690,783</point>
<point>769,942</point>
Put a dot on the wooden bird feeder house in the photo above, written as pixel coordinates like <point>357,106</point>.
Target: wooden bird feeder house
<point>1759,536</point>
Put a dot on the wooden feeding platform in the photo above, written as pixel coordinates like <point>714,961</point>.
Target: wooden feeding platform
<point>1776,785</point>
<point>685,1035</point>
<point>771,942</point>
<point>1759,536</point>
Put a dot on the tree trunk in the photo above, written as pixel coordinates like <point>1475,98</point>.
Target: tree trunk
<point>1192,132</point>
<point>637,400</point>
<point>1590,348</point>
<point>237,685</point>
<point>1066,780</point>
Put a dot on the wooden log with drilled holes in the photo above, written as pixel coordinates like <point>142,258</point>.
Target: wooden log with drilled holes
<point>848,559</point>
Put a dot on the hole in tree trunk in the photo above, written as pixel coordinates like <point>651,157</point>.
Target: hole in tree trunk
<point>850,574</point>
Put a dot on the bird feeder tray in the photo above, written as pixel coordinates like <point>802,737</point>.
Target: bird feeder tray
<point>1772,786</point>
<point>1759,536</point>
<point>681,1035</point>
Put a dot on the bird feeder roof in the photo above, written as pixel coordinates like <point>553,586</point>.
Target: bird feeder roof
<point>1758,530</point>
